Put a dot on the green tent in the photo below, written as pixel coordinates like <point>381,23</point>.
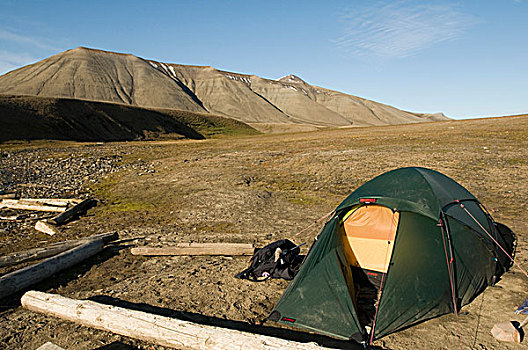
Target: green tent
<point>406,246</point>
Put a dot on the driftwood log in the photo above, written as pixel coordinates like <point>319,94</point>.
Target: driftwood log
<point>52,249</point>
<point>35,254</point>
<point>20,279</point>
<point>58,202</point>
<point>197,249</point>
<point>73,211</point>
<point>30,205</point>
<point>165,331</point>
<point>106,237</point>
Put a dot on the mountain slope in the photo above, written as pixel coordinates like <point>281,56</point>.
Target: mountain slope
<point>97,75</point>
<point>227,94</point>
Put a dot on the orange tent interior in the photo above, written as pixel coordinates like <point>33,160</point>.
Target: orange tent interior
<point>370,231</point>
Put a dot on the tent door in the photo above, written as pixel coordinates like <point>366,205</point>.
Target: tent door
<point>370,231</point>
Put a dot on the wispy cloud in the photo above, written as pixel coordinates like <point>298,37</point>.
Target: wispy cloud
<point>400,29</point>
<point>19,49</point>
<point>6,67</point>
<point>11,60</point>
<point>7,35</point>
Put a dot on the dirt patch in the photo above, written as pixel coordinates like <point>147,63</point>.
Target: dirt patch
<point>254,190</point>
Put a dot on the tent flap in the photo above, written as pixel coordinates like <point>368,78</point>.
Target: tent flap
<point>417,285</point>
<point>320,299</point>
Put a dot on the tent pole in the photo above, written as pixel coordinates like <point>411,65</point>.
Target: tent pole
<point>379,298</point>
<point>449,262</point>
<point>381,287</point>
<point>376,313</point>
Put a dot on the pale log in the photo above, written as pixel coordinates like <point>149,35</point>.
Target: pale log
<point>197,249</point>
<point>58,202</point>
<point>45,227</point>
<point>20,279</point>
<point>214,245</point>
<point>52,249</point>
<point>73,211</point>
<point>19,204</point>
<point>165,331</point>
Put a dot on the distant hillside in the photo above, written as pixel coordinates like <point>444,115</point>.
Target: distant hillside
<point>30,118</point>
<point>97,75</point>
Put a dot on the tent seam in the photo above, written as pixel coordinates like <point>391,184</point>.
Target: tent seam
<point>418,170</point>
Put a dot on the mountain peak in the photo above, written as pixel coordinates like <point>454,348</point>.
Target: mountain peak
<point>292,79</point>
<point>84,49</point>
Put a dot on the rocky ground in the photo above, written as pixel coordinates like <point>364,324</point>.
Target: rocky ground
<point>248,190</point>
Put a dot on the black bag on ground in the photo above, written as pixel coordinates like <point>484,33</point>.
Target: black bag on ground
<point>279,259</point>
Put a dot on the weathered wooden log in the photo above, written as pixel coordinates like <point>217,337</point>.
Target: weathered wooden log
<point>20,279</point>
<point>214,245</point>
<point>52,249</point>
<point>197,249</point>
<point>58,202</point>
<point>45,227</point>
<point>106,237</point>
<point>28,215</point>
<point>35,254</point>
<point>50,346</point>
<point>20,204</point>
<point>73,211</point>
<point>157,329</point>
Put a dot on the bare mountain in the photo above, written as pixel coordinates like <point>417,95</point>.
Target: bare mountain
<point>97,75</point>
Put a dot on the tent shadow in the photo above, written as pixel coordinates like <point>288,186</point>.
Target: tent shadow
<point>282,333</point>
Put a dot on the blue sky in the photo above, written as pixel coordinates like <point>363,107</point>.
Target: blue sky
<point>466,59</point>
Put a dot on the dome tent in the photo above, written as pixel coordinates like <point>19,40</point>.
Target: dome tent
<point>406,246</point>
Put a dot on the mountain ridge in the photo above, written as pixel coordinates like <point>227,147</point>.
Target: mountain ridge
<point>98,75</point>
